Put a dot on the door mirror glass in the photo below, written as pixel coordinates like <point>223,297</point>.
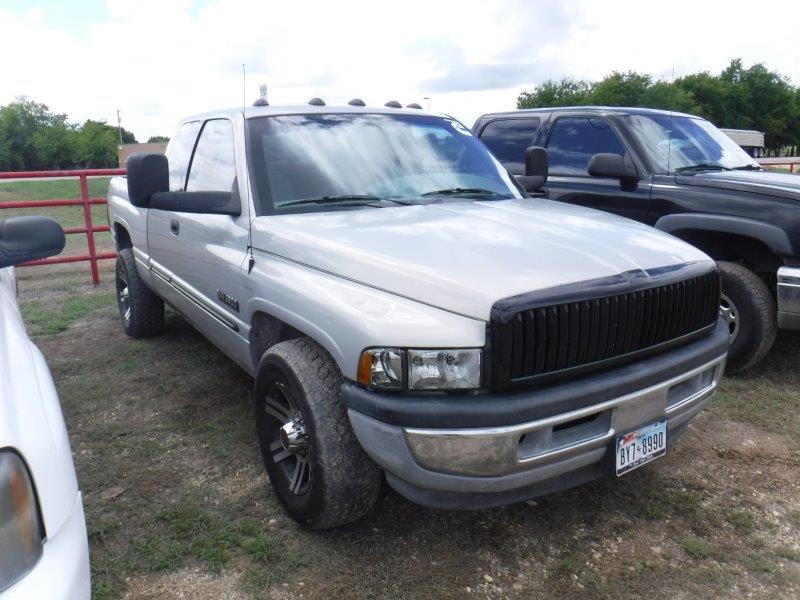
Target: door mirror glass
<point>29,238</point>
<point>148,174</point>
<point>536,169</point>
<point>607,164</point>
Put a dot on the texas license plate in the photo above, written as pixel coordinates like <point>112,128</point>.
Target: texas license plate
<point>641,446</point>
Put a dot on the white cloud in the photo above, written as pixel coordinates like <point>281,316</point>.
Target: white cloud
<point>158,60</point>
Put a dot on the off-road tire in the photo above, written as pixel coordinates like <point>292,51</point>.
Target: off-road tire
<point>344,482</point>
<point>146,309</point>
<point>757,315</point>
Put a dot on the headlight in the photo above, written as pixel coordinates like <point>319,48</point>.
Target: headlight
<point>20,528</point>
<point>421,369</point>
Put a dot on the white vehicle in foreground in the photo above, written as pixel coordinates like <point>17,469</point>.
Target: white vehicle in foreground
<point>44,551</point>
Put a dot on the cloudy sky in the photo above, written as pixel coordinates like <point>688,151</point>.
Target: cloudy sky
<point>158,60</point>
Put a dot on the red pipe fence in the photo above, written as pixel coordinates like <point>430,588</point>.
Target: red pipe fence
<point>89,228</point>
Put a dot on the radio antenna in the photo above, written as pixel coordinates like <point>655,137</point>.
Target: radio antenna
<point>244,88</point>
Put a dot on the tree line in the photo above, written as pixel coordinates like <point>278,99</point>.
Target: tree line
<point>737,98</point>
<point>34,138</point>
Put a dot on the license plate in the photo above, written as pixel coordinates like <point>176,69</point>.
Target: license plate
<point>641,446</point>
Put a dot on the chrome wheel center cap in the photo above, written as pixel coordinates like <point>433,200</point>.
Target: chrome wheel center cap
<point>293,436</point>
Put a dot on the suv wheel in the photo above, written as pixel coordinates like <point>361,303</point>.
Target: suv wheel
<point>749,309</point>
<point>318,469</point>
<point>141,311</point>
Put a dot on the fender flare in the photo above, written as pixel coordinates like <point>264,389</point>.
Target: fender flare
<point>770,235</point>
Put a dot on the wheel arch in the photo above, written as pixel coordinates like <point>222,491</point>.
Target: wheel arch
<point>756,244</point>
<point>267,329</point>
<point>122,237</point>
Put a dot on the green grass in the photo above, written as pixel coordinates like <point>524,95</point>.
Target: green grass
<point>46,319</point>
<point>698,549</point>
<point>742,519</point>
<point>67,216</point>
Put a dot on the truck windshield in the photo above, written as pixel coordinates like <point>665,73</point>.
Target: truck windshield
<point>338,161</point>
<point>677,144</point>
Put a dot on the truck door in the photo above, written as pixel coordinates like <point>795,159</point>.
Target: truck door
<point>571,143</point>
<point>197,259</point>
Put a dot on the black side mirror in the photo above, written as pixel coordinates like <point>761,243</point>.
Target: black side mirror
<point>610,165</point>
<point>537,167</point>
<point>148,174</point>
<point>29,238</point>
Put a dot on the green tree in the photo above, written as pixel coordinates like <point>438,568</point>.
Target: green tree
<point>157,139</point>
<point>97,145</point>
<point>668,96</point>
<point>567,92</point>
<point>19,122</point>
<point>56,146</point>
<point>621,89</point>
<point>127,137</point>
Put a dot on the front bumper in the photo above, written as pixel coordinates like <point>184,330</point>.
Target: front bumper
<point>789,298</point>
<point>63,569</point>
<point>501,463</point>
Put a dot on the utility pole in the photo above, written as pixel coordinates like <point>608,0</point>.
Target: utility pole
<point>119,127</point>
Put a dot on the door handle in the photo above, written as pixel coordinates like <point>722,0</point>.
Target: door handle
<point>174,227</point>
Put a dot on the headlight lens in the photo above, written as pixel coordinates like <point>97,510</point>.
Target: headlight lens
<point>20,529</point>
<point>444,369</point>
<point>421,369</point>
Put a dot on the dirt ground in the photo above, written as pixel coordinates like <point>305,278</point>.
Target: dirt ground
<point>178,505</point>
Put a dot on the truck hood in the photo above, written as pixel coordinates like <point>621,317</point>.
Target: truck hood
<point>464,256</point>
<point>782,185</point>
<point>31,422</point>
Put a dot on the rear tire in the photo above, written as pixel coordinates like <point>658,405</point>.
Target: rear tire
<point>141,311</point>
<point>750,310</point>
<point>318,469</point>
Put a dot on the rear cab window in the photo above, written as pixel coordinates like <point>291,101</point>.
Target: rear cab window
<point>508,139</point>
<point>179,153</point>
<point>574,140</point>
<point>213,166</point>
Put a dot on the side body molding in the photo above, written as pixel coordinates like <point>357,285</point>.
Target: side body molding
<point>773,236</point>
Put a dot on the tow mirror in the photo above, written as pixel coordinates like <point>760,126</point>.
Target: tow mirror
<point>29,238</point>
<point>610,165</point>
<point>537,166</point>
<point>148,174</point>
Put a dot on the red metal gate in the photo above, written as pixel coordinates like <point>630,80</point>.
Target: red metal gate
<point>89,229</point>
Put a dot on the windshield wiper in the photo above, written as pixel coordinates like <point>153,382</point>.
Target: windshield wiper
<point>461,191</point>
<point>346,199</point>
<point>702,167</point>
<point>749,168</point>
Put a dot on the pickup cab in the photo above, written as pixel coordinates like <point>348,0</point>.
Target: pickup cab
<point>406,309</point>
<point>682,175</point>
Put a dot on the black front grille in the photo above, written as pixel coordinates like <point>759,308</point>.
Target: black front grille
<point>537,342</point>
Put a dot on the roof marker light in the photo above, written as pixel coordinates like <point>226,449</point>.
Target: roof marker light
<point>317,102</point>
<point>356,102</point>
<point>393,104</point>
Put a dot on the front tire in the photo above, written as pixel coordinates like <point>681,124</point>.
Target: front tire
<point>318,469</point>
<point>141,311</point>
<point>750,311</point>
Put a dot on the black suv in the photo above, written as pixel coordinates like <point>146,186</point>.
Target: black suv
<point>680,174</point>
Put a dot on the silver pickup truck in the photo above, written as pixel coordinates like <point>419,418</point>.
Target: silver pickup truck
<point>406,308</point>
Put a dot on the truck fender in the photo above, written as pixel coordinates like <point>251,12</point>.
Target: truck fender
<point>770,235</point>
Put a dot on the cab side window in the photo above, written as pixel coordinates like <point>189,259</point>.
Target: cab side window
<point>213,166</point>
<point>179,153</point>
<point>574,140</point>
<point>508,139</point>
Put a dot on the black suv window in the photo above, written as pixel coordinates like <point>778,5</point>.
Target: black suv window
<point>213,167</point>
<point>180,150</point>
<point>574,140</point>
<point>508,139</point>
